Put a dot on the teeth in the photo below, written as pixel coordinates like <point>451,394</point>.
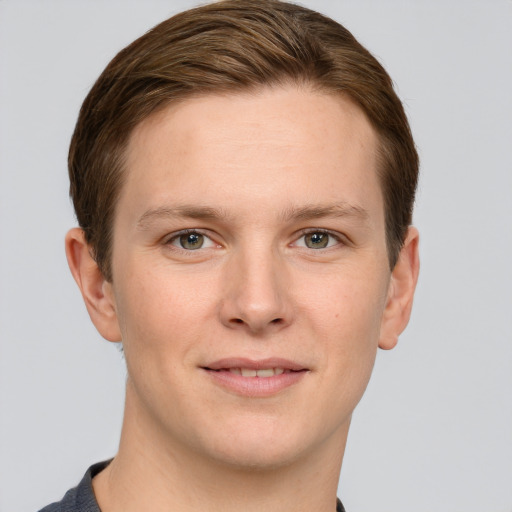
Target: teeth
<point>265,372</point>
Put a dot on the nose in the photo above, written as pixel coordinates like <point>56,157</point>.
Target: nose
<point>256,295</point>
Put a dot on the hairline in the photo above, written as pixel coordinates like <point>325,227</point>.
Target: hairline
<point>305,83</point>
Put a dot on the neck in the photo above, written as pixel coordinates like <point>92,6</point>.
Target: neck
<point>150,472</point>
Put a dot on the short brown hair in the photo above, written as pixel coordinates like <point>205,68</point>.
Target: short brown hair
<point>229,46</point>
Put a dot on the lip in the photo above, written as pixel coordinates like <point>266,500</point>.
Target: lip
<point>219,372</point>
<point>252,364</point>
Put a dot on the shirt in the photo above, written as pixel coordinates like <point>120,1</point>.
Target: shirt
<point>81,498</point>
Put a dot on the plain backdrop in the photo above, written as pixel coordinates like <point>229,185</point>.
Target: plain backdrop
<point>434,430</point>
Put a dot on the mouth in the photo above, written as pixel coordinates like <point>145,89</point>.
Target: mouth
<point>249,372</point>
<point>255,378</point>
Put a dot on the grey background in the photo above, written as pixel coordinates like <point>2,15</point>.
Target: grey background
<point>434,431</point>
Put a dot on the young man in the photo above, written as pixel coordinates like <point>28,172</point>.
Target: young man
<point>243,176</point>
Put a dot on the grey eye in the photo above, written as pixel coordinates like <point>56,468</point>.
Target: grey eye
<point>191,241</point>
<point>317,240</point>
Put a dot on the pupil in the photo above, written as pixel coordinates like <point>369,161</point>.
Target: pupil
<point>317,240</point>
<point>191,241</point>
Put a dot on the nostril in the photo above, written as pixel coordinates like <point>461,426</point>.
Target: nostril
<point>240,321</point>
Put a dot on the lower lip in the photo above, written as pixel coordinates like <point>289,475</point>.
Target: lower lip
<point>255,386</point>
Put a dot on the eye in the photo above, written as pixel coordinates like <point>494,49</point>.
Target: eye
<point>191,241</point>
<point>317,240</point>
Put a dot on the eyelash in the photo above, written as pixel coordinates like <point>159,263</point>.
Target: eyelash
<point>176,236</point>
<point>303,233</point>
<point>311,231</point>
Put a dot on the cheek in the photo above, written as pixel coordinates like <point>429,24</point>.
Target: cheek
<point>160,327</point>
<point>346,319</point>
<point>345,305</point>
<point>161,314</point>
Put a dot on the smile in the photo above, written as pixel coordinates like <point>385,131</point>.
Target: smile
<point>255,378</point>
<point>263,373</point>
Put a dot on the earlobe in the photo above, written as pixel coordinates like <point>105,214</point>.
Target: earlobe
<point>401,291</point>
<point>96,291</point>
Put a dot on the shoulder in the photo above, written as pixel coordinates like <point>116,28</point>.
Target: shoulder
<point>81,498</point>
<point>339,506</point>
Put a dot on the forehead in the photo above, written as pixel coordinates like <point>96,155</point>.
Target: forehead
<point>283,145</point>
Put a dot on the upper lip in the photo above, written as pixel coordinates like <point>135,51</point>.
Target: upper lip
<point>254,364</point>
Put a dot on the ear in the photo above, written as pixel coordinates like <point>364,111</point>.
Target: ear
<point>401,291</point>
<point>96,291</point>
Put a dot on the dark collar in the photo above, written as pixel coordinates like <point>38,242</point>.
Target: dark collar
<point>81,498</point>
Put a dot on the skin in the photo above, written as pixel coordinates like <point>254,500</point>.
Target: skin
<point>256,174</point>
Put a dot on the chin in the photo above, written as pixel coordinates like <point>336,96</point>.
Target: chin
<point>257,460</point>
<point>262,446</point>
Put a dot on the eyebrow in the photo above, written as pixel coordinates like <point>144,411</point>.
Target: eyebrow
<point>313,211</point>
<point>307,212</point>
<point>184,211</point>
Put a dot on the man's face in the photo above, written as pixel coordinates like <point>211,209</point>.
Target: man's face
<point>249,239</point>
